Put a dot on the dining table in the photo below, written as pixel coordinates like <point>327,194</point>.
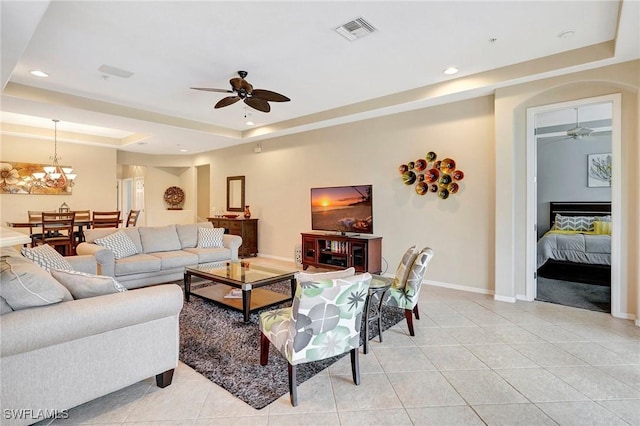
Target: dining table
<point>37,223</point>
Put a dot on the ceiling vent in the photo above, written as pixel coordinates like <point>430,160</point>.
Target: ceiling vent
<point>357,28</point>
<point>108,69</point>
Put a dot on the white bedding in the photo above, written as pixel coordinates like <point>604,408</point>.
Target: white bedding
<point>577,248</point>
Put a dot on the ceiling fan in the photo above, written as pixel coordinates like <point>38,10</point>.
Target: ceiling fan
<point>577,132</point>
<point>256,98</point>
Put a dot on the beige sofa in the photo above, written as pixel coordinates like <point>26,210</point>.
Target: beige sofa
<point>62,354</point>
<point>162,253</point>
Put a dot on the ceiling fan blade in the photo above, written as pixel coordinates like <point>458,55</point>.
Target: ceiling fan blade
<point>208,89</point>
<point>268,95</point>
<point>257,103</point>
<point>601,133</point>
<point>229,100</point>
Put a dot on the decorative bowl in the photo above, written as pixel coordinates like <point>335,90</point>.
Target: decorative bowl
<point>230,216</point>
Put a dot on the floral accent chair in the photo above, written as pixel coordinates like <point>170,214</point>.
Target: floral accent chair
<point>323,321</point>
<point>405,294</point>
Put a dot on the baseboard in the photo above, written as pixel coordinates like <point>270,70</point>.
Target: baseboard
<point>505,299</point>
<point>458,287</point>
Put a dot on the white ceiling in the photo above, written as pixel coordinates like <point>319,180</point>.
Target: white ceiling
<point>287,47</point>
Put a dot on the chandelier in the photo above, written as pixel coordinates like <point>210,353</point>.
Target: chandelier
<point>55,176</point>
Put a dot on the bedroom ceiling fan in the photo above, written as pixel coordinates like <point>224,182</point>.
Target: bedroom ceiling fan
<point>256,98</point>
<point>576,133</point>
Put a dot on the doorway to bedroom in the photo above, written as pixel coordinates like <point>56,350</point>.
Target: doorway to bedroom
<point>572,200</point>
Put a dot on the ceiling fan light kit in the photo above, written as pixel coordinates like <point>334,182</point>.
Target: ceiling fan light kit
<point>242,90</point>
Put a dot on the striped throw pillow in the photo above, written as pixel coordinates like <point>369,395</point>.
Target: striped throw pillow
<point>575,223</point>
<point>119,243</point>
<point>46,257</point>
<point>210,237</point>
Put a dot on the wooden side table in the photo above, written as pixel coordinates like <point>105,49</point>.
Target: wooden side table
<point>377,290</point>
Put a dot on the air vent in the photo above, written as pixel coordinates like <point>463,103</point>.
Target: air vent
<point>357,28</point>
<point>108,69</point>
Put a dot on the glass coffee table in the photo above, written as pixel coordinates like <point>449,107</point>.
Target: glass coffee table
<point>248,278</point>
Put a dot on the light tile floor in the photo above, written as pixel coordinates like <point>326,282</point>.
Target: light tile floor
<point>473,361</point>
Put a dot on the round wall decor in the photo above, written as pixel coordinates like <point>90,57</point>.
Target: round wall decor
<point>174,196</point>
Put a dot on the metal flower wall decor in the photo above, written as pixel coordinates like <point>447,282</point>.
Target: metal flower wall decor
<point>432,175</point>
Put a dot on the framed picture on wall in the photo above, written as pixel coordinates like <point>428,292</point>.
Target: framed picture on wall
<point>599,170</point>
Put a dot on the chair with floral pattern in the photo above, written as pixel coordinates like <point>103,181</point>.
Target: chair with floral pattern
<point>323,321</point>
<point>405,287</point>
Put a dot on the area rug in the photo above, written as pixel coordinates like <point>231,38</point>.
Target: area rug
<point>217,343</point>
<point>578,295</point>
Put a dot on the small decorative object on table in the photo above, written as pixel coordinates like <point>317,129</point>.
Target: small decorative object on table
<point>247,212</point>
<point>174,196</point>
<point>64,208</point>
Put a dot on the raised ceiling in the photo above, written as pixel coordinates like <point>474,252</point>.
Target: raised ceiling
<point>287,47</point>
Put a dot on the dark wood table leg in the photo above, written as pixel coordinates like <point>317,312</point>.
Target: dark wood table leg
<point>293,287</point>
<point>187,286</point>
<point>246,304</point>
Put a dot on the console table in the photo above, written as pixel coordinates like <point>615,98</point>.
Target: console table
<point>247,229</point>
<point>363,252</point>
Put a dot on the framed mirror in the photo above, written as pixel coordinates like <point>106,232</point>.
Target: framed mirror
<point>235,193</point>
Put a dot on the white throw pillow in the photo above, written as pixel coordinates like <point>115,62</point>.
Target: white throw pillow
<point>46,257</point>
<point>119,243</point>
<point>210,237</point>
<point>304,277</point>
<point>82,285</point>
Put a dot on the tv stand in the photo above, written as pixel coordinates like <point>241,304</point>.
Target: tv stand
<point>320,250</point>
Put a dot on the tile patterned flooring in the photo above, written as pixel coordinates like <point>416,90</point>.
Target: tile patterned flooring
<point>473,361</point>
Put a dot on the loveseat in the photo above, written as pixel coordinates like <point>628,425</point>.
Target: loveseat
<point>160,253</point>
<point>58,351</point>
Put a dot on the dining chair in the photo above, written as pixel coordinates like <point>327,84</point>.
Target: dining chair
<point>106,219</point>
<point>57,231</point>
<point>132,218</point>
<point>35,216</point>
<point>404,293</point>
<point>323,321</point>
<point>81,216</point>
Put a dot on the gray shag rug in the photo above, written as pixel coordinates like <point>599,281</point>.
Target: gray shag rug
<point>217,343</point>
<point>578,295</point>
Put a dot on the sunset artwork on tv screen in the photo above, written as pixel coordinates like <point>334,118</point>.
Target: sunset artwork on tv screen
<point>342,209</point>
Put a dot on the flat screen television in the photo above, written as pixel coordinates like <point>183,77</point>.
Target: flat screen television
<point>342,209</point>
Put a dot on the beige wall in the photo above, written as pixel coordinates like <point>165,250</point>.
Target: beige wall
<point>511,105</point>
<point>459,229</point>
<point>95,186</point>
<point>162,172</point>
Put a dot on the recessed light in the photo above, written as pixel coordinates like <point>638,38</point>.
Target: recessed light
<point>249,123</point>
<point>38,73</point>
<point>183,150</point>
<point>451,71</point>
<point>566,34</point>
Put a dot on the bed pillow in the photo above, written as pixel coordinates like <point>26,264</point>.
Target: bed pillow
<point>82,285</point>
<point>119,243</point>
<point>210,237</point>
<point>574,223</point>
<point>602,228</point>
<point>46,257</point>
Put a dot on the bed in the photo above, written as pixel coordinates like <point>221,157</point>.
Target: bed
<point>578,245</point>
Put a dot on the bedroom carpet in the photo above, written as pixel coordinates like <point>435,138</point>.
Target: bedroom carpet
<point>578,295</point>
<point>217,343</point>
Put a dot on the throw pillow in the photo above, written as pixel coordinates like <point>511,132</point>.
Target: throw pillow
<point>119,243</point>
<point>46,257</point>
<point>210,237</point>
<point>404,267</point>
<point>574,223</point>
<point>602,228</point>
<point>25,285</point>
<point>82,285</point>
<point>304,277</point>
